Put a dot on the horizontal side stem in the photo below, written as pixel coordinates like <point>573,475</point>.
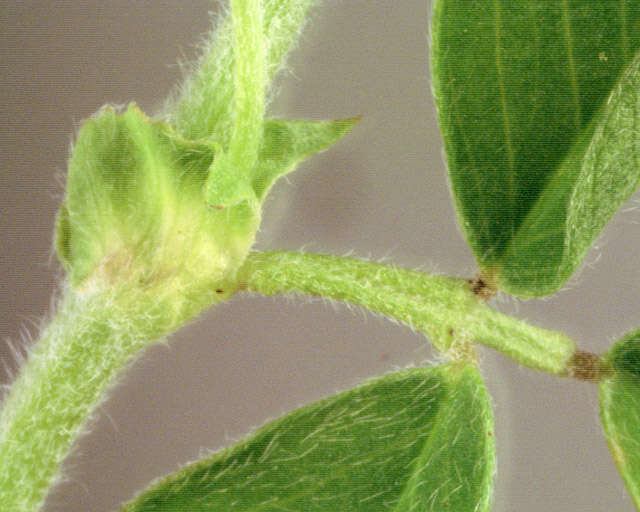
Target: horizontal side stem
<point>444,309</point>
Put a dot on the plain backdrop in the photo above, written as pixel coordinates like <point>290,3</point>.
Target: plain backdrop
<point>380,193</point>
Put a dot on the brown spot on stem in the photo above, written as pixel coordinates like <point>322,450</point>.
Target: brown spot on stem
<point>483,286</point>
<point>588,366</point>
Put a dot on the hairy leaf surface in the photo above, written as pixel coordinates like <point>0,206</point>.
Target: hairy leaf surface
<point>416,440</point>
<point>538,107</point>
<point>620,410</point>
<point>287,143</point>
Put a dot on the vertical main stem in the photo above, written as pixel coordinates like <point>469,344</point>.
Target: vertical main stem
<point>250,81</point>
<point>230,176</point>
<point>88,341</point>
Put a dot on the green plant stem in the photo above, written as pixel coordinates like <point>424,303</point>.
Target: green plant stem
<point>204,104</point>
<point>444,309</point>
<point>94,335</point>
<point>250,82</point>
<point>229,181</point>
<point>88,341</point>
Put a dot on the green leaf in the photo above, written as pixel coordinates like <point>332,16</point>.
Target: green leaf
<point>421,439</point>
<point>135,210</point>
<point>538,105</point>
<point>287,143</point>
<point>620,410</point>
<point>284,145</point>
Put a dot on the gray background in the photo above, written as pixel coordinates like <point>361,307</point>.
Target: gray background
<point>381,192</point>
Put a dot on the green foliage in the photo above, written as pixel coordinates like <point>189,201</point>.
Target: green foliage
<point>420,439</point>
<point>538,103</point>
<point>620,410</point>
<point>152,210</point>
<point>134,203</point>
<point>135,210</point>
<point>624,356</point>
<point>287,143</point>
<point>150,234</point>
<point>538,108</point>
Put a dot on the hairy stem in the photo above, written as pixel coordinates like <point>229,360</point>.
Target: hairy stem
<point>250,81</point>
<point>89,340</point>
<point>204,104</point>
<point>444,309</point>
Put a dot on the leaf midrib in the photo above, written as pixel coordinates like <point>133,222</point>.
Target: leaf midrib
<point>506,125</point>
<point>443,411</point>
<point>575,89</point>
<point>561,168</point>
<point>296,496</point>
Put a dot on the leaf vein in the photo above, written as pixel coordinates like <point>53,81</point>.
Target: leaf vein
<point>503,104</point>
<point>575,88</point>
<point>624,39</point>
